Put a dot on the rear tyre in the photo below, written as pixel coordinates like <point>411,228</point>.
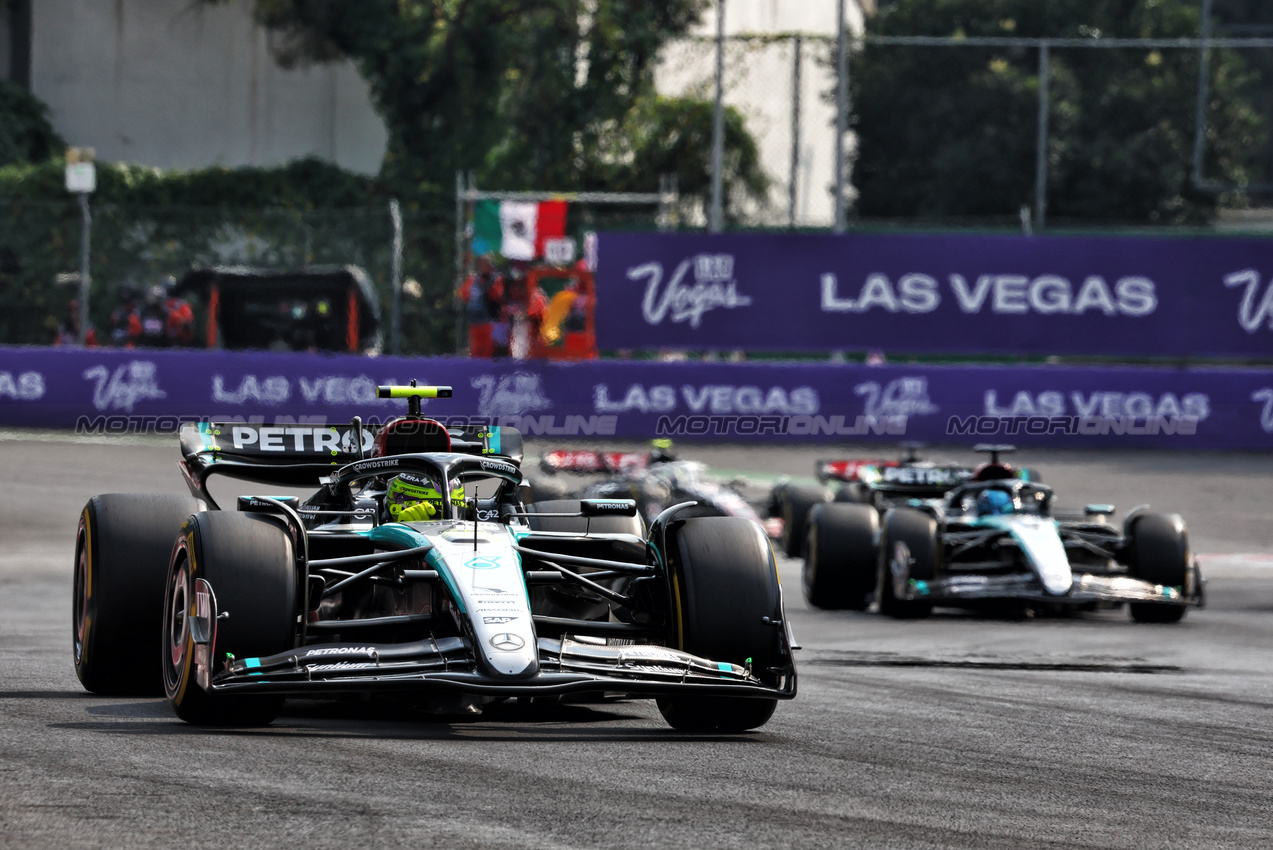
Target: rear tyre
<point>121,560</point>
<point>249,562</point>
<point>841,557</point>
<point>725,586</point>
<point>578,524</point>
<point>543,489</point>
<point>797,501</point>
<point>854,492</point>
<point>909,553</point>
<point>1158,553</point>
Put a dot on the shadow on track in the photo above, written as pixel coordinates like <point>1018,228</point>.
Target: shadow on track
<point>830,658</point>
<point>400,720</point>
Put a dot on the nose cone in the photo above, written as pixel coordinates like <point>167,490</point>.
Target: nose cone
<point>510,653</point>
<point>1042,546</point>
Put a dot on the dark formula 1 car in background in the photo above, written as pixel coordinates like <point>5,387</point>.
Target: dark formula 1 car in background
<point>990,538</point>
<point>654,480</point>
<point>474,597</point>
<point>861,481</point>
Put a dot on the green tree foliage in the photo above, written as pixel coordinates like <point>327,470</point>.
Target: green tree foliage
<point>25,132</point>
<point>950,132</point>
<point>302,184</point>
<point>671,135</point>
<point>527,94</point>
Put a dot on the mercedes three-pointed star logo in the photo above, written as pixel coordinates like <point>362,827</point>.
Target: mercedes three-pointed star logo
<point>507,641</point>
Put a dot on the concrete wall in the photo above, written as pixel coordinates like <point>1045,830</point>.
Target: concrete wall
<point>759,83</point>
<point>175,84</point>
<point>178,84</point>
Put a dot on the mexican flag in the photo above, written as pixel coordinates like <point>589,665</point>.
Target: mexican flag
<point>517,229</point>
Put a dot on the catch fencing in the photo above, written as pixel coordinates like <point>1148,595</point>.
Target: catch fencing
<point>784,85</point>
<point>137,247</point>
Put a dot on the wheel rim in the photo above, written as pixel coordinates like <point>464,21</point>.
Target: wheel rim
<point>81,600</point>
<point>900,566</point>
<point>177,626</point>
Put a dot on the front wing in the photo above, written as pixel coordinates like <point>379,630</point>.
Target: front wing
<point>1085,588</point>
<point>448,664</point>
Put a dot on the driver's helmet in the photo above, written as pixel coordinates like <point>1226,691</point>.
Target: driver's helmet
<point>661,451</point>
<point>995,502</point>
<point>418,496</point>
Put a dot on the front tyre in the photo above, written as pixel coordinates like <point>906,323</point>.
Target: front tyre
<point>248,561</point>
<point>909,552</point>
<point>121,560</point>
<point>726,607</point>
<point>1158,552</point>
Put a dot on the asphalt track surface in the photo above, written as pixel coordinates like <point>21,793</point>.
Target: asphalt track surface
<point>958,731</point>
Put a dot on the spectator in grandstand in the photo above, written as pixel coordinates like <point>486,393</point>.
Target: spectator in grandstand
<point>68,331</point>
<point>524,307</point>
<point>126,326</point>
<point>154,320</point>
<point>178,317</point>
<point>483,297</point>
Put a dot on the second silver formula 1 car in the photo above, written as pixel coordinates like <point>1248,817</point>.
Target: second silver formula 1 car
<point>995,538</point>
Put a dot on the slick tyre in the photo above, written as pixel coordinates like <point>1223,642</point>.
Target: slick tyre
<point>543,490</point>
<point>578,524</point>
<point>727,608</point>
<point>1158,552</point>
<point>909,549</point>
<point>121,561</point>
<point>797,501</point>
<point>854,492</point>
<point>249,562</point>
<point>841,557</point>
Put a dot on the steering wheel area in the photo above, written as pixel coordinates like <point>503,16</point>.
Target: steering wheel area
<point>1017,496</point>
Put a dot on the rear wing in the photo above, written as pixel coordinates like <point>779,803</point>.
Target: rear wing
<point>299,455</point>
<point>589,461</point>
<point>274,448</point>
<point>922,481</point>
<point>856,469</point>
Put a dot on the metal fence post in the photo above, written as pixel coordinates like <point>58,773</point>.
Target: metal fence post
<point>1204,74</point>
<point>1041,150</point>
<point>395,214</point>
<point>841,114</point>
<point>86,229</point>
<point>717,215</point>
<point>797,49</point>
<point>461,190</point>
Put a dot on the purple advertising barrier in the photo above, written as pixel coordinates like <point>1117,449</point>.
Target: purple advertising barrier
<point>117,392</point>
<point>1139,296</point>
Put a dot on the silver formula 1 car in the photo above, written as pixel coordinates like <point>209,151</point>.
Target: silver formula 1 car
<point>655,479</point>
<point>483,599</point>
<point>942,538</point>
<point>866,481</point>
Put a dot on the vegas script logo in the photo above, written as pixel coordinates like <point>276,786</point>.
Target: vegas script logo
<point>714,288</point>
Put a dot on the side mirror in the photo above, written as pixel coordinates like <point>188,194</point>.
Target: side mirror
<point>1098,510</point>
